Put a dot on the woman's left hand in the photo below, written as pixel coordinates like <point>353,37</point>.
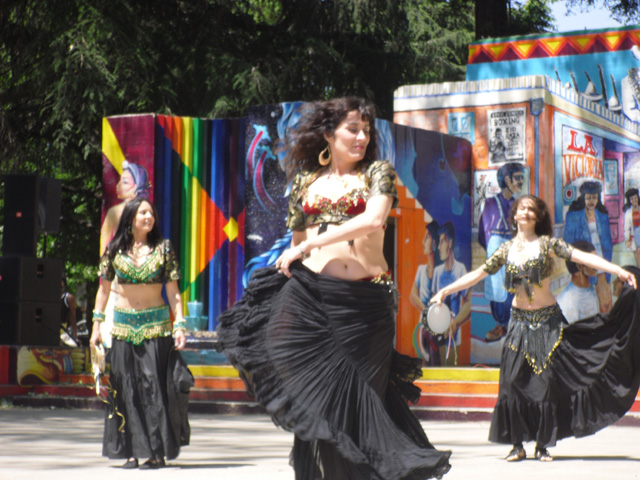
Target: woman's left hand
<point>628,277</point>
<point>289,256</point>
<point>179,339</point>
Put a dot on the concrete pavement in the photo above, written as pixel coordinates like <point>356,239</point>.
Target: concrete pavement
<point>35,443</point>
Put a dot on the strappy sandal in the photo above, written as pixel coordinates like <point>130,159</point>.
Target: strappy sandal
<point>543,455</point>
<point>131,463</point>
<point>516,455</point>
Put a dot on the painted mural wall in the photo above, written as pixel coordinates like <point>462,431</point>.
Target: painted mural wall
<point>222,198</point>
<point>195,176</point>
<point>574,143</point>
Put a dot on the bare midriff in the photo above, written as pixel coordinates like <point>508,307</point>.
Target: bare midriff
<point>139,297</point>
<point>542,297</point>
<point>340,260</point>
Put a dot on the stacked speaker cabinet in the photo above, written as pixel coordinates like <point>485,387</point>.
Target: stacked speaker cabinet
<point>30,287</point>
<point>21,198</point>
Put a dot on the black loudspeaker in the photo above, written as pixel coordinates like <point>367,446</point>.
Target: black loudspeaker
<point>30,323</point>
<point>49,203</point>
<point>20,215</point>
<point>32,279</point>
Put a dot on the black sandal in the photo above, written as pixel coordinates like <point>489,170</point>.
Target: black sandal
<point>543,455</point>
<point>152,464</point>
<point>516,454</point>
<point>131,463</point>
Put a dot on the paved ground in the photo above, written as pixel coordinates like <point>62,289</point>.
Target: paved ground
<point>35,443</point>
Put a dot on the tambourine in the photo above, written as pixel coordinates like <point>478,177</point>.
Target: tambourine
<point>98,364</point>
<point>437,318</point>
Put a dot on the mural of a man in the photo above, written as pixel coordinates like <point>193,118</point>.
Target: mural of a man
<point>630,86</point>
<point>497,147</point>
<point>422,290</point>
<point>448,272</point>
<point>588,220</point>
<point>579,300</point>
<point>493,231</point>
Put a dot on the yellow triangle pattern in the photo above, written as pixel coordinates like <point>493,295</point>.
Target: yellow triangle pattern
<point>583,42</point>
<point>612,39</point>
<point>473,51</point>
<point>497,50</point>
<point>554,44</point>
<point>524,48</point>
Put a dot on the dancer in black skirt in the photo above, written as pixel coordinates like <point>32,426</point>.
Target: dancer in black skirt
<point>313,336</point>
<point>556,380</point>
<point>146,415</point>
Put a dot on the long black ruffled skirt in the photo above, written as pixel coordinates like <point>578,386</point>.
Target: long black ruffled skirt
<point>591,379</point>
<point>146,413</point>
<point>317,353</point>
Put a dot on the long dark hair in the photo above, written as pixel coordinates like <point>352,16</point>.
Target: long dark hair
<point>629,194</point>
<point>304,143</point>
<point>540,209</point>
<point>123,238</point>
<point>588,188</point>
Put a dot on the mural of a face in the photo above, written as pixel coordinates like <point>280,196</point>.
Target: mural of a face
<point>349,141</point>
<point>427,242</point>
<point>590,201</point>
<point>126,187</point>
<point>444,247</point>
<point>515,182</point>
<point>617,287</point>
<point>588,271</point>
<point>634,201</point>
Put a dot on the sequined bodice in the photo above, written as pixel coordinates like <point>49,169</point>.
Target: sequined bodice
<point>348,205</point>
<point>534,270</point>
<point>306,208</point>
<point>161,266</point>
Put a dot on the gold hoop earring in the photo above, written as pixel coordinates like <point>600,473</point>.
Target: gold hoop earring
<point>324,158</point>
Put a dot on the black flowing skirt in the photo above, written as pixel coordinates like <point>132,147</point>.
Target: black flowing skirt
<point>591,380</point>
<point>146,413</point>
<point>317,353</point>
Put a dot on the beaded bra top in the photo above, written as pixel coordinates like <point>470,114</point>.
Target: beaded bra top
<point>534,270</point>
<point>161,266</point>
<point>306,210</point>
<point>348,205</point>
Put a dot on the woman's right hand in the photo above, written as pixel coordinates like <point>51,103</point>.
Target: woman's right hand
<point>289,256</point>
<point>438,297</point>
<point>96,336</point>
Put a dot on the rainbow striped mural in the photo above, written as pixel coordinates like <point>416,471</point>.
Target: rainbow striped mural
<point>196,168</point>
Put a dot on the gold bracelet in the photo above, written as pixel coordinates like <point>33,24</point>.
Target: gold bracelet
<point>99,316</point>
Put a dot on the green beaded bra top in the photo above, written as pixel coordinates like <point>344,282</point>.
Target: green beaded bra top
<point>161,266</point>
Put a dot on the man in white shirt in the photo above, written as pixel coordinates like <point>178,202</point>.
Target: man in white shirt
<point>579,300</point>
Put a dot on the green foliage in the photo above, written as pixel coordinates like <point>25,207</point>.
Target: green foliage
<point>532,16</point>
<point>66,64</point>
<point>626,12</point>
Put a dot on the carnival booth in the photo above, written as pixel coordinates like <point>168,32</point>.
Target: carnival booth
<point>554,115</point>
